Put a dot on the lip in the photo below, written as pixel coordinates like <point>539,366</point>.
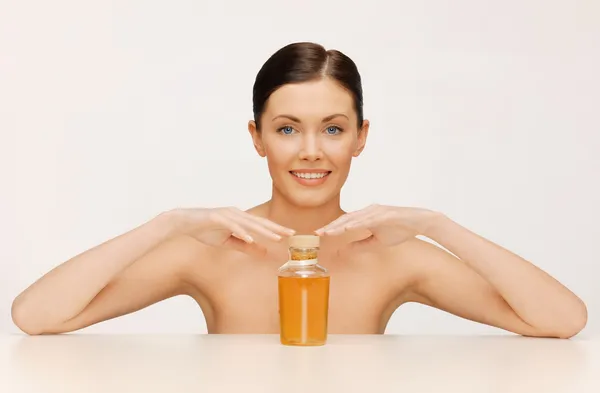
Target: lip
<point>310,170</point>
<point>310,182</point>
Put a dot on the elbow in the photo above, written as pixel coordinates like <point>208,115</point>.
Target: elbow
<point>574,323</point>
<point>563,326</point>
<point>577,322</point>
<point>568,333</point>
<point>22,318</point>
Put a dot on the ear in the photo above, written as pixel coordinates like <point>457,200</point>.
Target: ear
<point>362,138</point>
<point>256,138</point>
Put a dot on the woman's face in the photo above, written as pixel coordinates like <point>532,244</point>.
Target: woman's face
<point>309,135</point>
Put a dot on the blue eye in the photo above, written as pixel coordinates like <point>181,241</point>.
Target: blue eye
<point>332,130</point>
<point>287,130</point>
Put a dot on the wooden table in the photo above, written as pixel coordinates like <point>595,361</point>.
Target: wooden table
<point>258,363</point>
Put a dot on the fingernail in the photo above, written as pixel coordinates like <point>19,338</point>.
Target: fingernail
<point>249,239</point>
<point>275,236</point>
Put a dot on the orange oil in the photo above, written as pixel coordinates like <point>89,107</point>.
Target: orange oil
<point>303,310</point>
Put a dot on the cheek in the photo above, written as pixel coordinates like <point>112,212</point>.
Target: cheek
<point>279,154</point>
<point>340,151</point>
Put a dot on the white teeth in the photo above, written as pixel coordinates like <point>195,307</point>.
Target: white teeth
<point>310,175</point>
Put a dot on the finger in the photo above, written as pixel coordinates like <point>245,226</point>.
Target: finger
<point>334,226</point>
<point>336,223</point>
<point>367,222</point>
<point>242,246</point>
<point>252,225</point>
<point>363,220</point>
<point>373,217</point>
<point>236,229</point>
<point>274,227</point>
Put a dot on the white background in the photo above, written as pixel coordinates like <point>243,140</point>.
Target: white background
<point>113,112</point>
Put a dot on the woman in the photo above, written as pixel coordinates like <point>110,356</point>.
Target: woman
<point>308,124</point>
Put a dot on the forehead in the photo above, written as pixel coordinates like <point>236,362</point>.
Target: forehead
<point>315,98</point>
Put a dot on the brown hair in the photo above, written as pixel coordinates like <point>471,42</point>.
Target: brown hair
<point>302,62</point>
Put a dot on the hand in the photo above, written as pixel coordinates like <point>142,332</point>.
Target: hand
<point>388,226</point>
<point>229,227</point>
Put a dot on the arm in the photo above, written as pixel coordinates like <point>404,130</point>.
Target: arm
<point>120,276</point>
<point>136,269</point>
<point>489,284</point>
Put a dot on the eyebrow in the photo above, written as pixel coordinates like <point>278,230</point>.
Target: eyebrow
<point>325,119</point>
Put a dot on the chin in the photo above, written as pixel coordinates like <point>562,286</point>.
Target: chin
<point>306,198</point>
<point>310,201</point>
<point>310,198</point>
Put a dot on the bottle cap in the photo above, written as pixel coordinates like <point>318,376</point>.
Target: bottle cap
<point>304,241</point>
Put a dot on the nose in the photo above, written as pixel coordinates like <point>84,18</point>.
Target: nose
<point>311,147</point>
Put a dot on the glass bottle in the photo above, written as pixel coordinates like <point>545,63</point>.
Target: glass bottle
<point>303,294</point>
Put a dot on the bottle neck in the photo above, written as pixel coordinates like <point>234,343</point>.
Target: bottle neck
<point>303,256</point>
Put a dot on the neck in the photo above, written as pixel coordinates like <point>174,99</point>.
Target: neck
<point>304,220</point>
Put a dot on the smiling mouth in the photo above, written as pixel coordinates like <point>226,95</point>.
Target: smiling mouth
<point>310,175</point>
